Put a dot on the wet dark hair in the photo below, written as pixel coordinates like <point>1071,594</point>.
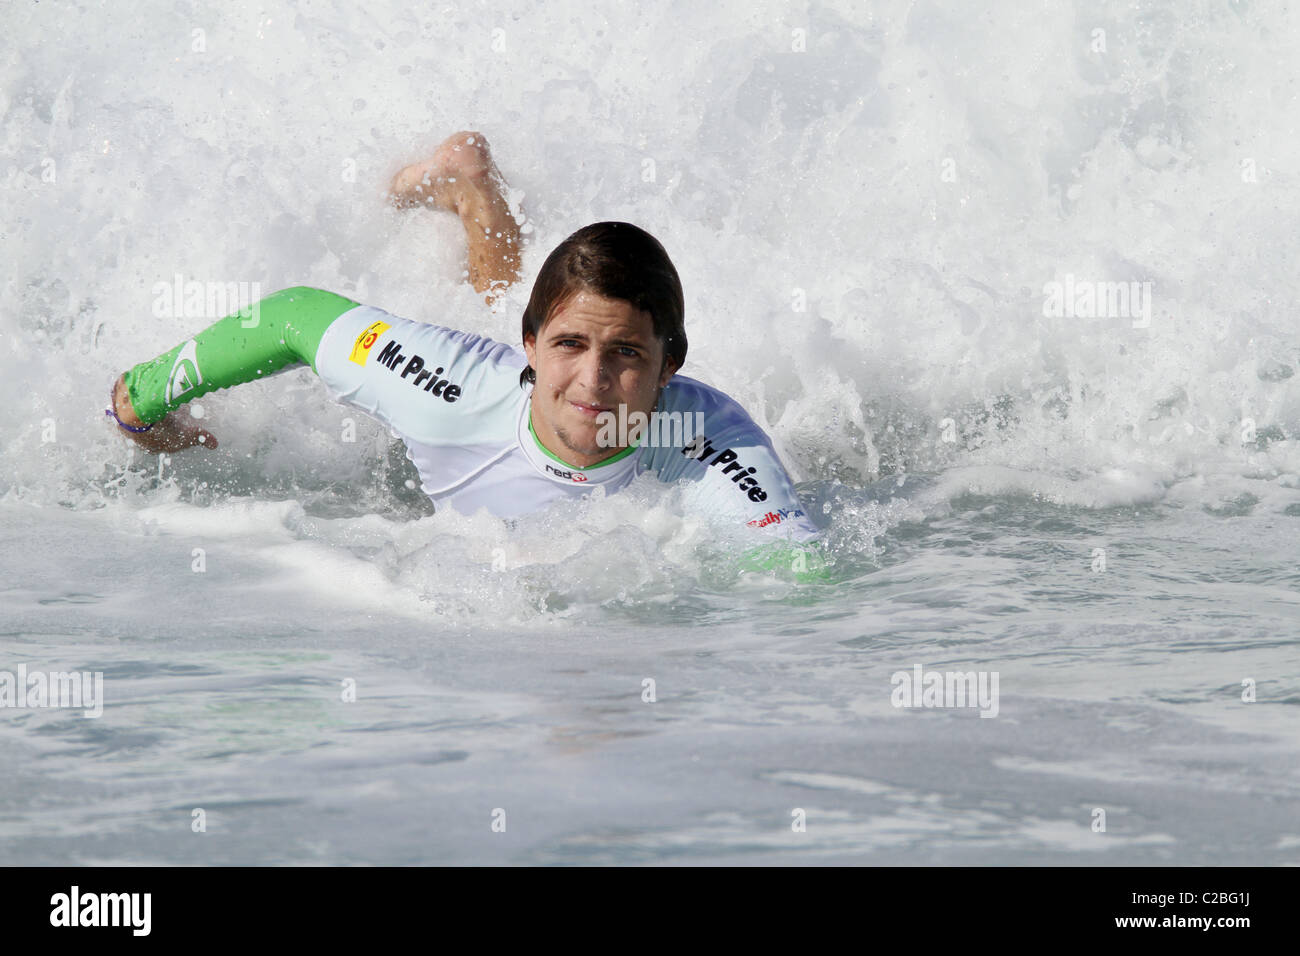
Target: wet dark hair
<point>615,260</point>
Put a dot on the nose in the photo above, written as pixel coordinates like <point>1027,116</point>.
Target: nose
<point>595,371</point>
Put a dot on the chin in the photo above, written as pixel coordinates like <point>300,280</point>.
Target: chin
<point>578,440</point>
<point>585,446</point>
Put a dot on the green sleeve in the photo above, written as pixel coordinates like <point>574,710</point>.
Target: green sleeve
<point>282,329</point>
<point>808,563</point>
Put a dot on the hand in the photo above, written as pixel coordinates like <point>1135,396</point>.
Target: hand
<point>173,433</point>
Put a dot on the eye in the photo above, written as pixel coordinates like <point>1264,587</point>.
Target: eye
<point>629,351</point>
<point>566,343</point>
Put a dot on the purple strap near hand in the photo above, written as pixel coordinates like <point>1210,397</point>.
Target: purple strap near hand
<point>122,424</point>
<point>112,410</point>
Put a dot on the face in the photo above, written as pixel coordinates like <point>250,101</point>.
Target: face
<point>592,355</point>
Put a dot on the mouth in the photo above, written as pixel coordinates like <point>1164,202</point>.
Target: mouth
<point>590,410</point>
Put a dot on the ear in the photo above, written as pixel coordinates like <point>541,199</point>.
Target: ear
<point>530,348</point>
<point>670,369</point>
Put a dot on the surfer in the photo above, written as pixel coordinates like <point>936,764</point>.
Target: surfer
<point>488,425</point>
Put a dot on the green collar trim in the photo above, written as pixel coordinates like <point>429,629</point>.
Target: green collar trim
<point>550,454</point>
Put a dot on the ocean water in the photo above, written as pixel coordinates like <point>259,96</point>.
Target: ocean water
<point>876,211</point>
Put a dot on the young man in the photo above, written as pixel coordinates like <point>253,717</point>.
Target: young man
<point>592,400</point>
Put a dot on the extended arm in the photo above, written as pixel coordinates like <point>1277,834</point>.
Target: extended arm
<point>281,330</point>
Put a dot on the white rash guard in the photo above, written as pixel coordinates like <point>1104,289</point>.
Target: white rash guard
<point>454,398</point>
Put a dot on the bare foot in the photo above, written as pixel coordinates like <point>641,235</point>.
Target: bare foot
<point>461,170</point>
<point>462,178</point>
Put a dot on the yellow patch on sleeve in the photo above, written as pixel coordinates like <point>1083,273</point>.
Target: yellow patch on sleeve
<point>361,347</point>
